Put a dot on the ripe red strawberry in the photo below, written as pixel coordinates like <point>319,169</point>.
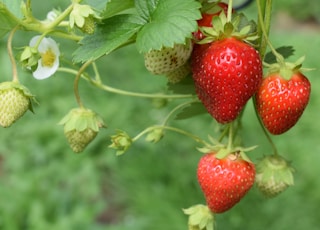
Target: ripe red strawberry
<point>281,102</point>
<point>226,73</point>
<point>224,181</point>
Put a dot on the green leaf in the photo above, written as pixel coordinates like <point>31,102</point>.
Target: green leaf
<point>7,20</point>
<point>114,7</point>
<point>14,6</point>
<point>96,4</point>
<point>285,51</point>
<point>191,110</point>
<point>167,22</point>
<point>109,35</point>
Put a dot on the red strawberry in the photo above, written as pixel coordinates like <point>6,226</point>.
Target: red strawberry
<point>206,19</point>
<point>224,181</point>
<point>281,102</point>
<point>227,73</point>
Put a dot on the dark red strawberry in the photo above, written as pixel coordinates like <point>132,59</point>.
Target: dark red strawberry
<point>281,102</point>
<point>226,73</point>
<point>224,181</point>
<point>206,19</point>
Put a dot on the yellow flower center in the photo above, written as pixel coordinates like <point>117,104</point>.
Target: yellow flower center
<point>48,58</point>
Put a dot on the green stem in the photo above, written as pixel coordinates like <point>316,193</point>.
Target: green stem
<point>60,18</point>
<point>177,130</point>
<point>230,137</point>
<point>64,35</point>
<point>11,56</point>
<point>76,83</point>
<point>97,83</point>
<point>265,31</point>
<point>229,15</point>
<point>273,146</point>
<point>177,108</point>
<point>144,95</point>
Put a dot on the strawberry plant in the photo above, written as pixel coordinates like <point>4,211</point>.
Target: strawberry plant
<point>214,60</point>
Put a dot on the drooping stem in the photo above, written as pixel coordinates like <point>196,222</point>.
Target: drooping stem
<point>177,108</point>
<point>265,132</point>
<point>264,23</point>
<point>76,82</point>
<point>97,83</point>
<point>174,129</point>
<point>11,56</point>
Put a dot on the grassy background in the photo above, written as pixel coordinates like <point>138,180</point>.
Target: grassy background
<point>43,185</point>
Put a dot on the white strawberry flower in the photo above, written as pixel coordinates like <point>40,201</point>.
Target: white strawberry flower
<point>49,57</point>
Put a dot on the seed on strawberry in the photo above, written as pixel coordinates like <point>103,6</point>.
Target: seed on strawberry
<point>81,126</point>
<point>274,175</point>
<point>167,59</point>
<point>15,100</point>
<point>78,140</point>
<point>226,73</point>
<point>89,25</point>
<point>225,181</point>
<point>281,101</point>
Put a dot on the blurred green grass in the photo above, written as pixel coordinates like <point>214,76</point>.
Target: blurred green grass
<point>44,185</point>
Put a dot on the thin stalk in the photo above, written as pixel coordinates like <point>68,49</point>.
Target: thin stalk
<point>97,83</point>
<point>177,108</point>
<point>229,15</point>
<point>11,56</point>
<point>230,137</point>
<point>177,130</point>
<point>76,83</point>
<point>279,57</point>
<point>144,95</point>
<point>273,146</point>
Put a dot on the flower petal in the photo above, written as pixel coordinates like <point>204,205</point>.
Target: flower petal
<point>43,72</point>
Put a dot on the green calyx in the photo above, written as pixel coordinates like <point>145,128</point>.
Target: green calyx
<point>121,141</point>
<point>200,218</point>
<point>275,168</point>
<point>9,85</point>
<point>285,69</point>
<point>238,27</point>
<point>80,119</point>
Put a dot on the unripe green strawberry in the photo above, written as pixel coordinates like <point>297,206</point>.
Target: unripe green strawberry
<point>274,175</point>
<point>179,73</point>
<point>168,58</point>
<point>81,126</point>
<point>78,141</point>
<point>89,25</point>
<point>15,100</point>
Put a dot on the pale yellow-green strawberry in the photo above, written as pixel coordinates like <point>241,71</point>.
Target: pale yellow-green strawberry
<point>89,25</point>
<point>78,141</point>
<point>274,175</point>
<point>179,73</point>
<point>81,126</point>
<point>167,59</point>
<point>15,100</point>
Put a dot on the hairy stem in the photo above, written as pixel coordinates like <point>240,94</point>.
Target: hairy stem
<point>11,56</point>
<point>76,82</point>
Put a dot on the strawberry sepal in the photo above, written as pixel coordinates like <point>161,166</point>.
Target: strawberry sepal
<point>200,217</point>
